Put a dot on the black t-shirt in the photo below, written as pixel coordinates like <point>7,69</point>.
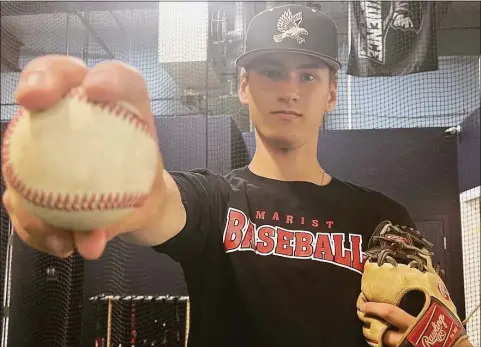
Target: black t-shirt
<point>274,263</point>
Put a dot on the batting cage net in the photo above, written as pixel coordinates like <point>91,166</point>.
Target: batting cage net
<point>406,123</point>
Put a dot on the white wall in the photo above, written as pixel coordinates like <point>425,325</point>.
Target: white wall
<point>471,239</point>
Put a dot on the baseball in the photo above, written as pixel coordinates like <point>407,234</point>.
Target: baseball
<point>80,165</point>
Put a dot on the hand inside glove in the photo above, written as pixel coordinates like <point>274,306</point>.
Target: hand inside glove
<point>398,273</point>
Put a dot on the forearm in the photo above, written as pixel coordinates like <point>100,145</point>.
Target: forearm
<point>165,220</point>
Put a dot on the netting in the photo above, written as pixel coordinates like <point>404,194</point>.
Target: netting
<point>151,320</point>
<point>186,53</point>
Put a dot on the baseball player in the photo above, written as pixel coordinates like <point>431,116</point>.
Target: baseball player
<point>273,252</point>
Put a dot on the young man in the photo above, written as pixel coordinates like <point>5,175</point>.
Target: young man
<point>272,252</point>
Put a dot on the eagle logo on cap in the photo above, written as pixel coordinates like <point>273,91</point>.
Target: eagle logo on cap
<point>288,25</point>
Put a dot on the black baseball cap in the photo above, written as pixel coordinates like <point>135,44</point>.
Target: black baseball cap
<point>291,28</point>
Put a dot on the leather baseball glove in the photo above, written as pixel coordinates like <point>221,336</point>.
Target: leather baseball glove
<point>398,262</point>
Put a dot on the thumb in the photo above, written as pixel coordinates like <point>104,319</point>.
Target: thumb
<point>90,245</point>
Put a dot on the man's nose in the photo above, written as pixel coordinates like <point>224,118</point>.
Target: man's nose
<point>289,90</point>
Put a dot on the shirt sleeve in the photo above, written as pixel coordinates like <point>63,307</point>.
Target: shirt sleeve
<point>204,196</point>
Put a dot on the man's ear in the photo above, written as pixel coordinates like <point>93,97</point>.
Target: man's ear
<point>244,88</point>
<point>331,102</point>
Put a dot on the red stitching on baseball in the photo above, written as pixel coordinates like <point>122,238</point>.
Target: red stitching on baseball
<point>68,203</point>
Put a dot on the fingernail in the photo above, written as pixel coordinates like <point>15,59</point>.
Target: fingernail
<point>100,77</point>
<point>362,307</point>
<point>55,244</point>
<point>34,79</point>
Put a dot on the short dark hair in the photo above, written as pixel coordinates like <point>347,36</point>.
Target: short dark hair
<point>333,76</point>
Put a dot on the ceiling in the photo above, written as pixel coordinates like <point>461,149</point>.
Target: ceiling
<point>26,19</point>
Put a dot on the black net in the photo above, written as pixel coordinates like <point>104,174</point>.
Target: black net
<point>147,320</point>
<point>186,53</point>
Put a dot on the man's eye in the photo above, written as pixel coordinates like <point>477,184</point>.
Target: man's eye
<point>271,73</point>
<point>307,77</point>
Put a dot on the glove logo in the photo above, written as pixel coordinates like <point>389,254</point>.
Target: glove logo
<point>438,334</point>
<point>437,328</point>
<point>444,291</point>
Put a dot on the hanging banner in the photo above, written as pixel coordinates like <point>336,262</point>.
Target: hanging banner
<point>392,38</point>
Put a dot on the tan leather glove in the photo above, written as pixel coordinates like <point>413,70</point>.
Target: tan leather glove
<point>399,261</point>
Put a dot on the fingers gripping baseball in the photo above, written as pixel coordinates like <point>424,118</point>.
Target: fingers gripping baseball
<point>56,205</point>
<point>45,80</point>
<point>35,232</point>
<point>112,81</point>
<point>45,238</point>
<point>90,245</point>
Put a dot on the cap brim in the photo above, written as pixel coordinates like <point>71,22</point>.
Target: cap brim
<point>247,58</point>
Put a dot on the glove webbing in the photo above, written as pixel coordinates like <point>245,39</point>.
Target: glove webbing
<point>402,244</point>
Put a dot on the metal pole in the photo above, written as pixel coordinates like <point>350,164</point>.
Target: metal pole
<point>119,23</point>
<point>349,96</point>
<point>207,85</point>
<point>96,36</point>
<point>67,21</point>
<point>7,285</point>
